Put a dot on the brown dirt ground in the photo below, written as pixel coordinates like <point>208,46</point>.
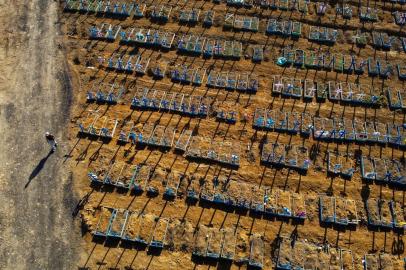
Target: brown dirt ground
<point>85,153</point>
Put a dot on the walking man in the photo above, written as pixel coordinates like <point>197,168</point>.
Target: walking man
<point>51,140</point>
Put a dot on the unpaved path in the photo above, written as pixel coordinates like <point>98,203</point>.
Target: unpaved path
<point>36,227</point>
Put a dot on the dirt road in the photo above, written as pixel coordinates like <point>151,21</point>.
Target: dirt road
<point>36,200</point>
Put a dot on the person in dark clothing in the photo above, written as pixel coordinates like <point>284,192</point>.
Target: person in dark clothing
<point>51,140</point>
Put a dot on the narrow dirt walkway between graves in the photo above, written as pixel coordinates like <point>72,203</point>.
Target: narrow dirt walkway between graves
<point>37,230</point>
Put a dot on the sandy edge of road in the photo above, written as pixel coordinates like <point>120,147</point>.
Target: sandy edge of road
<point>37,230</point>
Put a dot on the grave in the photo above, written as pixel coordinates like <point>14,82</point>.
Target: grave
<point>159,233</point>
<point>258,200</point>
<point>326,210</point>
<point>344,10</point>
<point>399,215</point>
<point>183,140</point>
<point>201,242</point>
<point>299,5</point>
<point>324,129</point>
<point>239,195</point>
<point>395,98</point>
<point>284,28</point>
<point>106,216</point>
<point>132,227</point>
<point>321,8</point>
<point>347,259</point>
<point>368,14</point>
<point>400,18</point>
<point>306,125</point>
<point>193,189</point>
<point>117,224</point>
<point>173,181</point>
<point>141,177</point>
<point>283,204</point>
<point>298,206</point>
<point>226,112</point>
<point>344,130</point>
<point>256,258</point>
<point>214,244</point>
<point>290,254</point>
<point>290,156</point>
<point>146,229</point>
<point>378,261</point>
<point>158,70</point>
<point>208,18</point>
<point>382,40</point>
<point>401,69</point>
<point>228,241</point>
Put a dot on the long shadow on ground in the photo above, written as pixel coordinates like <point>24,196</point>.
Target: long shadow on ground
<point>37,169</point>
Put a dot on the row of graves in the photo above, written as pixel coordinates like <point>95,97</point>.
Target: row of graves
<point>357,131</point>
<point>155,233</point>
<point>96,126</point>
<point>300,254</point>
<point>379,41</point>
<point>231,195</point>
<point>129,8</point>
<point>209,150</point>
<point>365,13</point>
<point>141,229</point>
<point>184,74</point>
<point>159,136</point>
<point>335,91</point>
<point>147,99</point>
<point>341,63</point>
<point>106,8</point>
<point>383,171</point>
<point>187,44</point>
<point>282,5</point>
<point>195,44</point>
<point>162,12</point>
<point>213,244</point>
<point>132,64</point>
<point>217,191</point>
<point>385,215</point>
<point>136,179</point>
<point>290,122</point>
<point>329,129</point>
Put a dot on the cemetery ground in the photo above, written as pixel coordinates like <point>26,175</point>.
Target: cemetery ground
<point>102,167</point>
<point>36,198</point>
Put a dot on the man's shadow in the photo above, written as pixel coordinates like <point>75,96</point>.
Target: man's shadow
<point>38,168</point>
